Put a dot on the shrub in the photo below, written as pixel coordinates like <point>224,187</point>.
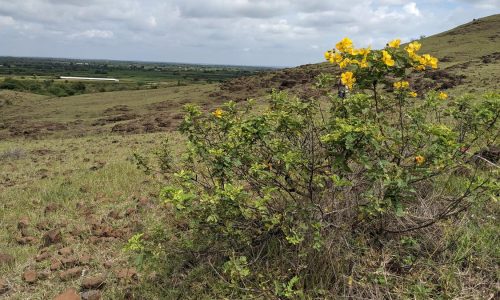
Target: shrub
<point>285,202</point>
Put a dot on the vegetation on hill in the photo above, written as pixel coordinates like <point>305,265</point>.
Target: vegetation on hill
<point>41,75</point>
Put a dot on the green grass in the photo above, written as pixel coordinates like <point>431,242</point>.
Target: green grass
<point>79,175</point>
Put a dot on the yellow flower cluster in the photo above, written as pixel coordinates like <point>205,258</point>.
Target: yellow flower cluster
<point>443,96</point>
<point>346,47</point>
<point>348,79</point>
<point>413,47</point>
<point>394,43</point>
<point>401,85</point>
<point>404,85</point>
<point>421,61</point>
<point>387,58</point>
<point>345,54</point>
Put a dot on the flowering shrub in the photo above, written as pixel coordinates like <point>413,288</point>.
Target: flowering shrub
<point>276,201</point>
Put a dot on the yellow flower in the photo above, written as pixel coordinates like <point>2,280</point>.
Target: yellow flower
<point>443,96</point>
<point>363,63</point>
<point>344,63</point>
<point>328,54</point>
<point>345,45</point>
<point>413,47</point>
<point>433,63</point>
<point>428,60</point>
<point>419,159</point>
<point>412,94</point>
<point>218,113</point>
<point>364,51</point>
<point>387,58</point>
<point>335,58</point>
<point>394,43</point>
<point>420,68</point>
<point>348,79</point>
<point>352,51</point>
<point>401,85</point>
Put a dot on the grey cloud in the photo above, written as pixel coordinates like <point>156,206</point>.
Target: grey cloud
<point>262,32</point>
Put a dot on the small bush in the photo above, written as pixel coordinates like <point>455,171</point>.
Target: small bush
<point>318,197</point>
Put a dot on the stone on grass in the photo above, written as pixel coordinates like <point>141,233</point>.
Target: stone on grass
<point>23,223</point>
<point>66,251</point>
<point>53,236</point>
<point>42,256</point>
<point>69,261</point>
<point>6,259</point>
<point>55,265</point>
<point>91,295</point>
<point>4,286</point>
<point>71,273</point>
<point>69,294</point>
<point>30,276</point>
<point>126,273</point>
<point>85,259</point>
<point>26,240</point>
<point>95,282</point>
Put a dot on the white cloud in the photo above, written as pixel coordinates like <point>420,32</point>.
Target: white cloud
<point>152,22</point>
<point>93,33</point>
<point>6,21</point>
<point>412,9</point>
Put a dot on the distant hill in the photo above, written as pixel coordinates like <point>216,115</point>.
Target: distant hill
<point>471,50</point>
<point>469,62</point>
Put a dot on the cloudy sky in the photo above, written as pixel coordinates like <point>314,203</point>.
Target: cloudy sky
<point>245,32</point>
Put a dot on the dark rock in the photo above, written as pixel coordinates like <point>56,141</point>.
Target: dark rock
<point>4,286</point>
<point>23,223</point>
<point>53,236</point>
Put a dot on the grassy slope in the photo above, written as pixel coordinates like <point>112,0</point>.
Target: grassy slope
<point>472,50</point>
<point>95,170</point>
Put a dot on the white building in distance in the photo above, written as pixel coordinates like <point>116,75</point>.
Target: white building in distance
<point>89,78</point>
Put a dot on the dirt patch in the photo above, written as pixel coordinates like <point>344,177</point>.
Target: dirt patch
<point>435,80</point>
<point>19,128</point>
<point>115,119</point>
<point>491,58</point>
<point>117,109</point>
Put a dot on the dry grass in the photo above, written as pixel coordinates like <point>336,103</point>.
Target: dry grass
<point>72,185</point>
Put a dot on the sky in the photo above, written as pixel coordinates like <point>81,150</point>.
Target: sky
<point>237,32</point>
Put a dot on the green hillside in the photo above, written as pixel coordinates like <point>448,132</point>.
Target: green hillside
<point>471,50</point>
